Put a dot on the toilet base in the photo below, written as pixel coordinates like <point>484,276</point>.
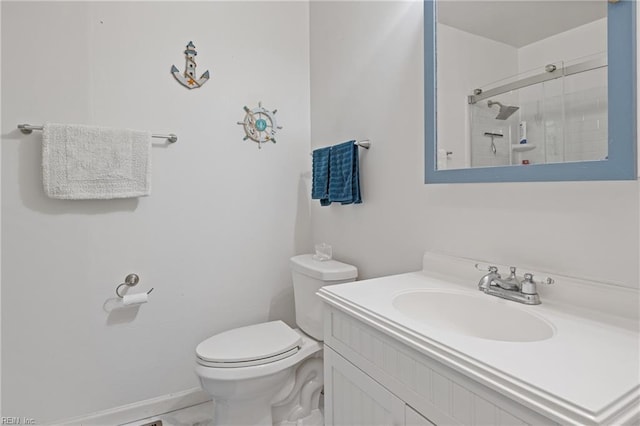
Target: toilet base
<point>314,419</point>
<point>304,398</point>
<point>245,402</point>
<point>254,412</point>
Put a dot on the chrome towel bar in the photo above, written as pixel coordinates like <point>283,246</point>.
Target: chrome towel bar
<point>28,129</point>
<point>366,143</point>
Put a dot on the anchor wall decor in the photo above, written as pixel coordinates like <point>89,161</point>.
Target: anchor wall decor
<point>188,78</point>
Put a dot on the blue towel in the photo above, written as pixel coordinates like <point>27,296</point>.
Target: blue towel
<point>320,175</point>
<point>344,174</point>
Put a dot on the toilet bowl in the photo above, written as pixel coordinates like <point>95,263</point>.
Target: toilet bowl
<point>245,389</point>
<point>270,373</point>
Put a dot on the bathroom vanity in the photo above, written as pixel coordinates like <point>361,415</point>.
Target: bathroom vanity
<point>428,348</point>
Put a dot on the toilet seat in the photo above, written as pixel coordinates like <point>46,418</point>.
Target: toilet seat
<point>308,347</point>
<point>253,345</point>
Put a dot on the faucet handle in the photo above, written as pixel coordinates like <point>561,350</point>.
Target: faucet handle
<point>545,280</point>
<point>548,281</point>
<point>486,267</point>
<point>529,285</point>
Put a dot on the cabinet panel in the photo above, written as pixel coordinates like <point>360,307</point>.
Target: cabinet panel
<point>444,395</point>
<point>354,399</point>
<point>413,418</point>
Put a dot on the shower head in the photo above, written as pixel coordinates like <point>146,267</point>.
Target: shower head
<point>505,110</point>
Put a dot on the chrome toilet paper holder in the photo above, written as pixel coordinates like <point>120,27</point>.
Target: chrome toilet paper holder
<point>130,280</point>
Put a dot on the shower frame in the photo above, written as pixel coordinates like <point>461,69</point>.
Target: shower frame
<point>552,72</point>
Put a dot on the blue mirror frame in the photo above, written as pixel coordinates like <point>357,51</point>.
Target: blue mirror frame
<point>622,154</point>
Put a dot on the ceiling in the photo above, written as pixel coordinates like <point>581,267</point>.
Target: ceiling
<point>519,22</point>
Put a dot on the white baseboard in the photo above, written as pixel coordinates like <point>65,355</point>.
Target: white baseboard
<point>140,410</point>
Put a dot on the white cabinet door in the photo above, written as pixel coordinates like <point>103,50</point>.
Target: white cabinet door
<point>413,418</point>
<point>354,399</point>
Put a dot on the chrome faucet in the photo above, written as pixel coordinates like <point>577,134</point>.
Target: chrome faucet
<point>511,288</point>
<point>487,279</point>
<point>510,283</point>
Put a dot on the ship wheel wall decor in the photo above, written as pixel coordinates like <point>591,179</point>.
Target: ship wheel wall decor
<point>260,125</point>
<point>188,79</point>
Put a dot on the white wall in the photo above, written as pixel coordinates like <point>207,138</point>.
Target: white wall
<point>585,229</point>
<point>216,233</point>
<point>579,42</point>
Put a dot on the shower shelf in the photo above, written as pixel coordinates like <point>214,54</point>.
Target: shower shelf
<point>524,147</point>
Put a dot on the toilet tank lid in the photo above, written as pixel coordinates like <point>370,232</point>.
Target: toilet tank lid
<point>328,270</point>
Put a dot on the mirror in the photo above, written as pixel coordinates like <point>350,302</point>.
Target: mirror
<point>529,90</point>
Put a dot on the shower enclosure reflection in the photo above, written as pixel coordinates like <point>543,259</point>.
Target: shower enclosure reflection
<point>521,82</point>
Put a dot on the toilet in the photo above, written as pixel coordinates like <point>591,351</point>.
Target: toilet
<point>270,373</point>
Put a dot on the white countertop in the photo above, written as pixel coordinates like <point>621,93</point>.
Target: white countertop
<point>587,372</point>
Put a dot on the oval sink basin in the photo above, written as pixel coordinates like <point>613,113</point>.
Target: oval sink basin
<point>472,315</point>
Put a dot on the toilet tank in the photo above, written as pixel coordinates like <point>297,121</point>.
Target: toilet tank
<point>308,276</point>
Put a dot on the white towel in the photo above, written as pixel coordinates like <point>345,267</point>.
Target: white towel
<point>85,162</point>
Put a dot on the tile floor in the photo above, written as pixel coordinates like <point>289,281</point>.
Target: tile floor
<point>197,415</point>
